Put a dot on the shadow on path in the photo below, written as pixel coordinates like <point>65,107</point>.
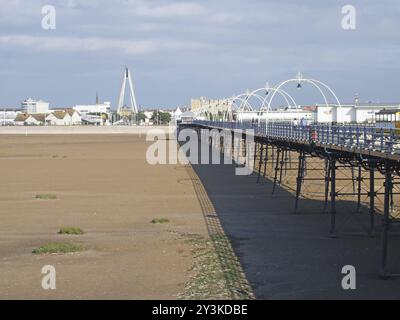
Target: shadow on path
<point>288,256</point>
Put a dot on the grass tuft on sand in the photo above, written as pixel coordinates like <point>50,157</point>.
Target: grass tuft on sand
<point>70,230</point>
<point>159,220</point>
<point>46,196</point>
<point>58,247</point>
<point>215,273</point>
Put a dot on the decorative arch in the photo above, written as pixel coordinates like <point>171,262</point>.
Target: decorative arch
<point>316,83</point>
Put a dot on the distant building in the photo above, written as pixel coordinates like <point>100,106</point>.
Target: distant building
<point>36,119</point>
<point>148,114</point>
<point>34,106</point>
<point>7,116</point>
<point>279,115</point>
<point>176,115</point>
<point>355,113</point>
<point>94,108</point>
<point>95,114</point>
<point>188,117</point>
<point>20,119</point>
<point>196,104</point>
<point>67,117</point>
<point>321,113</point>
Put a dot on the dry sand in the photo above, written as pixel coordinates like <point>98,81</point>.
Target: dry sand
<point>103,185</point>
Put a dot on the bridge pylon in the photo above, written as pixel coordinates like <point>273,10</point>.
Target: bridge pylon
<point>124,110</point>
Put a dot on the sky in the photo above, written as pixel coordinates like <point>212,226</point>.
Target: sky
<point>177,50</point>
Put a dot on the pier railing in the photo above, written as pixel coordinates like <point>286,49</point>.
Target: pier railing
<point>362,137</point>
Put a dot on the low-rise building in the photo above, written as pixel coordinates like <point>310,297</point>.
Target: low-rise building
<point>196,104</point>
<point>352,113</point>
<point>99,108</point>
<point>176,116</point>
<point>8,115</point>
<point>279,115</point>
<point>36,119</point>
<point>67,117</point>
<point>322,113</point>
<point>187,117</point>
<point>34,106</point>
<point>21,118</point>
<point>95,114</point>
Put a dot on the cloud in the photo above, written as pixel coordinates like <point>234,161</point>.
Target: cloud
<point>85,44</point>
<point>9,4</point>
<point>171,10</point>
<point>224,18</point>
<point>223,46</point>
<point>164,9</point>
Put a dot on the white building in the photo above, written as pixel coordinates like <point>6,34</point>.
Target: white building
<point>360,113</point>
<point>34,106</point>
<point>276,115</point>
<point>148,114</point>
<point>36,119</point>
<point>188,117</point>
<point>99,108</point>
<point>95,114</point>
<point>67,117</point>
<point>7,116</point>
<point>20,119</point>
<point>176,116</point>
<point>346,113</point>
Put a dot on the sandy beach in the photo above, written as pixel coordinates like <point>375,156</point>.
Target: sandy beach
<point>103,185</point>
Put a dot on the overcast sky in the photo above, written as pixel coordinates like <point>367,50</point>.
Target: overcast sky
<point>182,49</point>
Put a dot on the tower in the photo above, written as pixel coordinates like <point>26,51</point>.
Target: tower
<point>123,110</point>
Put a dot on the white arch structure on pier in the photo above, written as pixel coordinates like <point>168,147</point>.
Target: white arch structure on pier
<point>225,108</point>
<point>286,96</point>
<point>319,85</point>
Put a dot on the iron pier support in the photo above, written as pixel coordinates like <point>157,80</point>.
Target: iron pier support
<point>386,220</point>
<point>333,195</point>
<point>299,180</point>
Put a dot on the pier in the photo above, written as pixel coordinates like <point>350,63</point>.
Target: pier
<point>371,156</point>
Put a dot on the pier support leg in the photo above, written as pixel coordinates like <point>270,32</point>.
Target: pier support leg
<point>327,181</point>
<point>266,160</point>
<point>255,153</point>
<point>333,196</point>
<point>386,221</point>
<point>273,155</point>
<point>359,180</point>
<point>233,145</point>
<point>281,166</point>
<point>278,151</point>
<point>286,162</point>
<point>299,181</point>
<point>244,150</point>
<point>260,162</point>
<point>391,197</point>
<point>371,195</point>
<point>221,145</point>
